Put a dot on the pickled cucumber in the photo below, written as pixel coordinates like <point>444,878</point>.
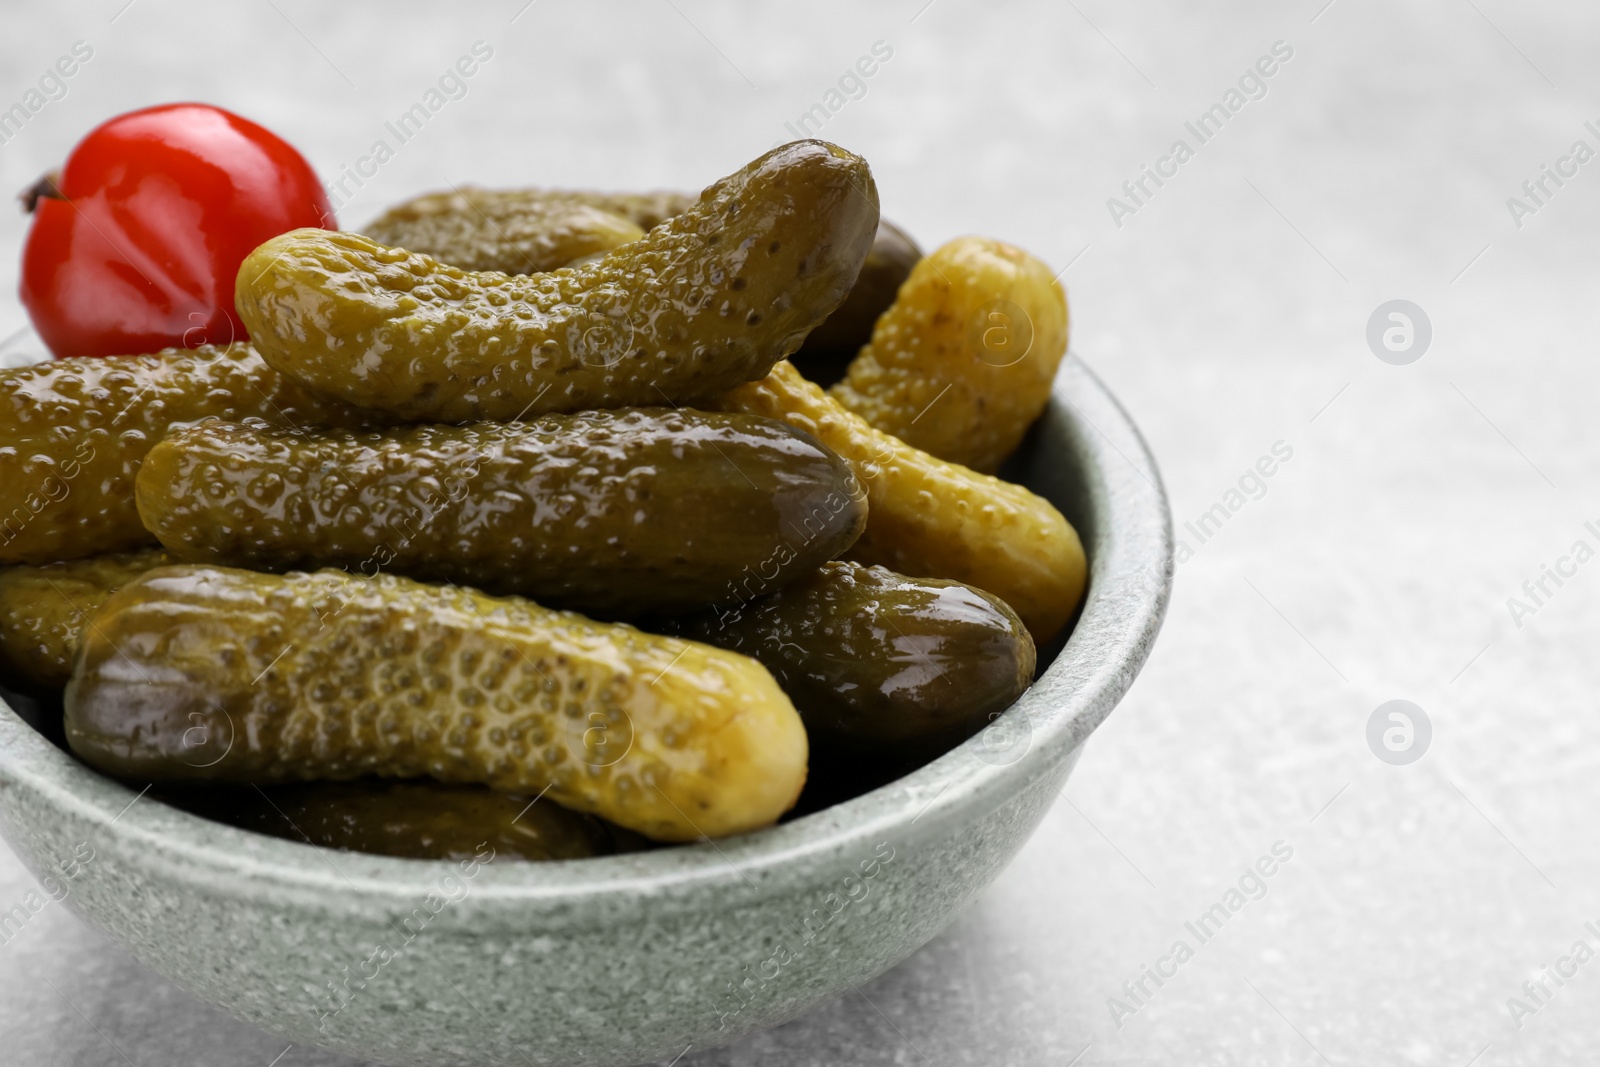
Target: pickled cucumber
<point>523,231</point>
<point>830,348</point>
<point>538,236</point>
<point>609,512</point>
<point>44,608</point>
<point>194,674</point>
<point>961,365</point>
<point>874,660</point>
<point>412,820</point>
<point>469,202</point>
<point>74,431</point>
<point>711,298</point>
<point>933,519</point>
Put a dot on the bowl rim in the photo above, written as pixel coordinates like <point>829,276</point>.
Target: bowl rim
<point>1130,577</point>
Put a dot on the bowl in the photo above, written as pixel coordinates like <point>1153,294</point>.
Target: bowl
<point>629,958</point>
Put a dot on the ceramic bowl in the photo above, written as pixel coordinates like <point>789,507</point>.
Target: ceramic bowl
<point>629,958</point>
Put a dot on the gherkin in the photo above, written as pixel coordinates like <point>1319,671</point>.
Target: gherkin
<point>878,662</point>
<point>73,433</point>
<point>410,819</point>
<point>962,363</point>
<point>711,298</point>
<point>830,348</point>
<point>484,209</point>
<point>44,608</point>
<point>195,674</point>
<point>537,236</point>
<point>609,512</point>
<point>524,231</point>
<point>933,519</point>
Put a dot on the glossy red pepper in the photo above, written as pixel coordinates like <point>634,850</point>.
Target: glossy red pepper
<point>136,245</point>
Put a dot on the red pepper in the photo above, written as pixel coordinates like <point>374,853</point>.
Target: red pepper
<point>136,245</point>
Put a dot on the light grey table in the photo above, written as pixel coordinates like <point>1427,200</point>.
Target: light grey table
<point>1229,309</point>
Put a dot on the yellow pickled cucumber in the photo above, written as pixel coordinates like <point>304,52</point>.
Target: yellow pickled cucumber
<point>962,362</point>
<point>43,609</point>
<point>930,518</point>
<point>195,673</point>
<point>711,298</point>
<point>538,236</point>
<point>73,433</point>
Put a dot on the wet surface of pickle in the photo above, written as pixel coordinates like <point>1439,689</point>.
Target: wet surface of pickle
<point>523,231</point>
<point>711,298</point>
<point>410,820</point>
<point>930,518</point>
<point>962,363</point>
<point>609,512</point>
<point>876,661</point>
<point>73,433</point>
<point>198,674</point>
<point>44,608</point>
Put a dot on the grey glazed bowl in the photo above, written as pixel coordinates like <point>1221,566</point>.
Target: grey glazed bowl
<point>627,958</point>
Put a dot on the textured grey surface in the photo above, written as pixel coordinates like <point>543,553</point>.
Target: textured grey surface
<point>1229,313</point>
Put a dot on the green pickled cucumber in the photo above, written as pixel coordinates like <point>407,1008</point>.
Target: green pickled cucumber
<point>524,231</point>
<point>482,209</point>
<point>43,610</point>
<point>875,660</point>
<point>830,348</point>
<point>412,820</point>
<point>609,512</point>
<point>709,299</point>
<point>538,236</point>
<point>74,431</point>
<point>210,674</point>
<point>645,210</point>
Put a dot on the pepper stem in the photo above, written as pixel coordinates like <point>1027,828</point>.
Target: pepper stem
<point>44,188</point>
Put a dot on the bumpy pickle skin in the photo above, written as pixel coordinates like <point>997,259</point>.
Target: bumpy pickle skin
<point>876,661</point>
<point>933,519</point>
<point>196,674</point>
<point>609,512</point>
<point>482,208</point>
<point>411,820</point>
<point>830,348</point>
<point>961,364</point>
<point>711,298</point>
<point>44,608</point>
<point>539,236</point>
<point>73,433</point>
<point>522,231</point>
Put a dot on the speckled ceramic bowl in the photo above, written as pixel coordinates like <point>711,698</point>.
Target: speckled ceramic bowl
<point>627,958</point>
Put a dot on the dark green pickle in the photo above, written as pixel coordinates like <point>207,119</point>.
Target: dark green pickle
<point>612,513</point>
<point>411,820</point>
<point>43,610</point>
<point>74,431</point>
<point>829,348</point>
<point>878,662</point>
